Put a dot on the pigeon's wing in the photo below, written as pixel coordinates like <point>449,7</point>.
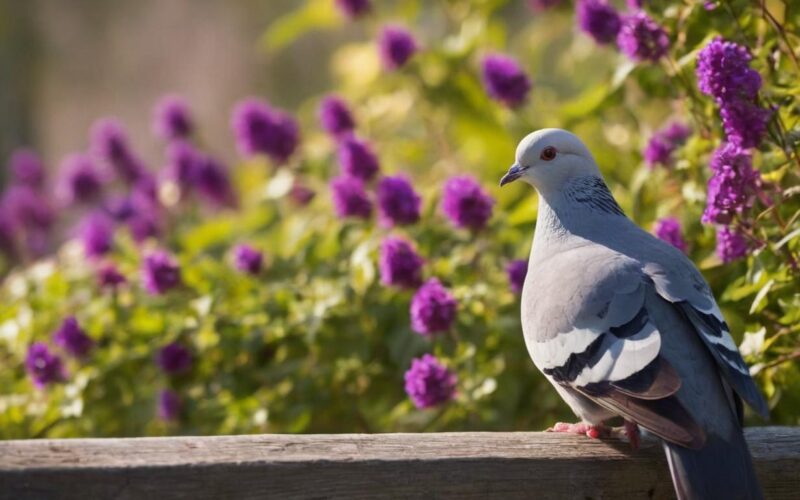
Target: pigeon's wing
<point>685,287</point>
<point>606,347</point>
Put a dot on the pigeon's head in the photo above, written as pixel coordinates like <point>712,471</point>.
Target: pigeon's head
<point>549,158</point>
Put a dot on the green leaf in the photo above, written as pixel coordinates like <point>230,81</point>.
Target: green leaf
<point>760,296</point>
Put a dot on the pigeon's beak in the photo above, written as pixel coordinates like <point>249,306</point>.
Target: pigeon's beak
<point>514,173</point>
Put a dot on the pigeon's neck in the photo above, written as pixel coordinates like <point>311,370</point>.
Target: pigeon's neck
<point>582,211</point>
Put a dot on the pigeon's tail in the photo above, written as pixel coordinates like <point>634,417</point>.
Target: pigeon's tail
<point>721,469</point>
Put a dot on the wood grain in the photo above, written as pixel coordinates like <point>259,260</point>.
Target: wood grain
<point>441,465</point>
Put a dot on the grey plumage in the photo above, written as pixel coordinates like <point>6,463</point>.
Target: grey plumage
<point>622,323</point>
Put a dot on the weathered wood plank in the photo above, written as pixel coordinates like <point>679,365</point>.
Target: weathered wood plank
<point>442,465</point>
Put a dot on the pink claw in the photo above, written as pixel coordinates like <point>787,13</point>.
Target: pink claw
<point>593,431</point>
<point>631,430</point>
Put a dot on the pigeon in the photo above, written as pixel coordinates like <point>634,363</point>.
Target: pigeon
<point>623,324</point>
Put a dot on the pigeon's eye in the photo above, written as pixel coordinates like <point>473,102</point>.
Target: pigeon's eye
<point>548,153</point>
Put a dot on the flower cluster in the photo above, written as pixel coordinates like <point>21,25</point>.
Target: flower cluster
<point>664,142</point>
<point>169,405</point>
<point>97,234</point>
<point>174,359</point>
<point>247,259</point>
<point>505,80</point>
<point>80,179</point>
<point>172,118</point>
<point>71,337</point>
<point>357,159</point>
<point>465,203</point>
<point>669,230</point>
<point>260,129</point>
<point>641,38</point>
<point>733,185</point>
<point>636,34</point>
<point>433,309</point>
<point>335,116</point>
<point>109,142</point>
<point>599,20</point>
<point>428,383</point>
<point>398,203</point>
<point>396,46</point>
<point>43,366</point>
<point>399,263</point>
<point>517,270</point>
<point>350,198</point>
<point>160,272</point>
<point>731,245</point>
<point>724,73</point>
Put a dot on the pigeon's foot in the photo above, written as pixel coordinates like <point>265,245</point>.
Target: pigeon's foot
<point>593,431</point>
<point>631,431</point>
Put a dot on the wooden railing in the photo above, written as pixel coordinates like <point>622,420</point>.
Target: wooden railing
<point>443,465</point>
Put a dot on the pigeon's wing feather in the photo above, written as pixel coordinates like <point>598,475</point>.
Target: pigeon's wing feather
<point>685,287</point>
<point>610,354</point>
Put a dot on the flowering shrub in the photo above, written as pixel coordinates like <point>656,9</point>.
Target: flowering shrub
<point>356,269</point>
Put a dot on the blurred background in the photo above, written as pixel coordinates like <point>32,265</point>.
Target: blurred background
<point>269,286</point>
<point>63,64</point>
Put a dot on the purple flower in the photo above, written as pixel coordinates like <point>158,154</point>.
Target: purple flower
<point>745,122</point>
<point>259,129</point>
<point>109,141</point>
<point>641,38</point>
<point>732,187</point>
<point>79,179</point>
<point>658,151</point>
<point>213,182</point>
<point>465,203</point>
<point>97,234</point>
<point>676,133</point>
<point>349,197</point>
<point>335,116</point>
<point>428,383</point>
<point>26,207</point>
<point>160,272</point>
<point>398,203</point>
<point>517,270</point>
<point>505,80</point>
<point>174,359</point>
<point>724,73</point>
<point>172,118</point>
<point>669,230</point>
<point>400,264</point>
<point>660,147</point>
<point>108,276</point>
<point>599,20</point>
<point>541,5</point>
<point>71,337</point>
<point>43,366</point>
<point>301,194</point>
<point>635,4</point>
<point>353,8</point>
<point>357,159</point>
<point>247,259</point>
<point>26,168</point>
<point>433,309</point>
<point>182,164</point>
<point>396,45</point>
<point>169,405</point>
<point>731,245</point>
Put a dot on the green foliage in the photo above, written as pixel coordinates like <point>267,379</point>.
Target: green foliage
<point>316,343</point>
